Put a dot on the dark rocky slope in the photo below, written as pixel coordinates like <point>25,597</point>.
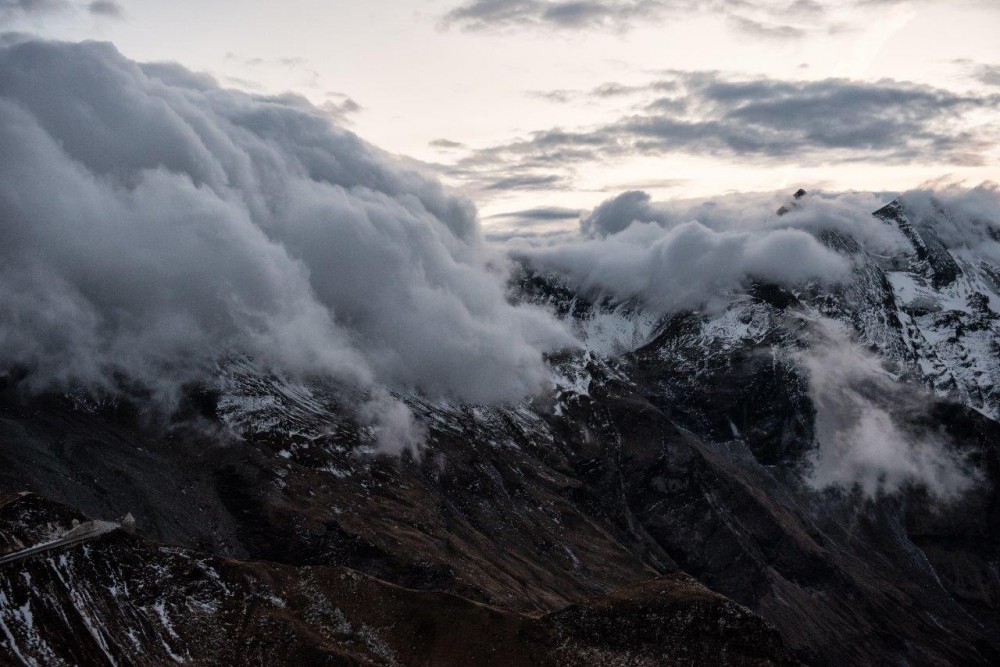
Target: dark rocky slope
<point>122,600</point>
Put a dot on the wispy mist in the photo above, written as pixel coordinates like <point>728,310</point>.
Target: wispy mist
<point>861,431</point>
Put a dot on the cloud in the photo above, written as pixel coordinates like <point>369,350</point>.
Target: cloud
<point>832,120</point>
<point>340,108</point>
<point>673,262</point>
<point>960,216</point>
<point>544,223</point>
<point>491,14</point>
<point>108,8</point>
<point>988,74</point>
<point>617,213</point>
<point>395,428</point>
<point>688,254</point>
<point>13,9</point>
<point>765,19</point>
<point>766,30</point>
<point>154,223</point>
<point>761,121</point>
<point>543,214</point>
<point>446,144</point>
<point>700,255</point>
<point>528,182</point>
<point>862,416</point>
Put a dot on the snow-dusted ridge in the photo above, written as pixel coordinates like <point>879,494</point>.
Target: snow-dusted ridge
<point>930,312</point>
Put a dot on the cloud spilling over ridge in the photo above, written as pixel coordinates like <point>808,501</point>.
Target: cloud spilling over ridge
<point>690,253</point>
<point>863,440</point>
<point>959,216</point>
<point>154,222</point>
<point>690,264</point>
<point>699,254</point>
<point>847,212</point>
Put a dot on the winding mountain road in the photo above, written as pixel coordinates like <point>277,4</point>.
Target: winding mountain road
<point>82,533</point>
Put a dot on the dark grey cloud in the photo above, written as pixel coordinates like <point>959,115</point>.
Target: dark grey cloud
<point>607,90</point>
<point>617,213</point>
<point>837,119</point>
<point>340,107</point>
<point>762,121</point>
<point>446,144</point>
<point>560,96</point>
<point>543,224</point>
<point>12,9</point>
<point>491,14</point>
<point>765,29</point>
<point>988,74</point>
<point>540,214</point>
<point>108,8</point>
<point>527,182</point>
<point>768,19</point>
<point>153,223</point>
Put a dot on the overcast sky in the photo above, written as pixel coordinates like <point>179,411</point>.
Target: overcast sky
<point>556,106</point>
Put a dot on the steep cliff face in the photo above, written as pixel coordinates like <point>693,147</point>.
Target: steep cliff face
<point>566,529</point>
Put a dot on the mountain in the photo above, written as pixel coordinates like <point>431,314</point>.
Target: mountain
<point>672,499</point>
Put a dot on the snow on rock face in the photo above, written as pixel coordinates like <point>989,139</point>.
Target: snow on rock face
<point>947,302</point>
<point>928,310</point>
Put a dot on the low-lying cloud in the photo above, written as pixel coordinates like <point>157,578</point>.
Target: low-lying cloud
<point>154,222</point>
<point>685,254</point>
<point>394,425</point>
<point>845,212</point>
<point>701,254</point>
<point>863,439</point>
<point>691,254</point>
<point>960,216</point>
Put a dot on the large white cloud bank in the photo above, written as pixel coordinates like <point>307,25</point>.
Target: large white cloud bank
<point>687,255</point>
<point>153,223</point>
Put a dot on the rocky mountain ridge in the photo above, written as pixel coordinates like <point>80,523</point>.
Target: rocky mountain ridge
<point>671,446</point>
